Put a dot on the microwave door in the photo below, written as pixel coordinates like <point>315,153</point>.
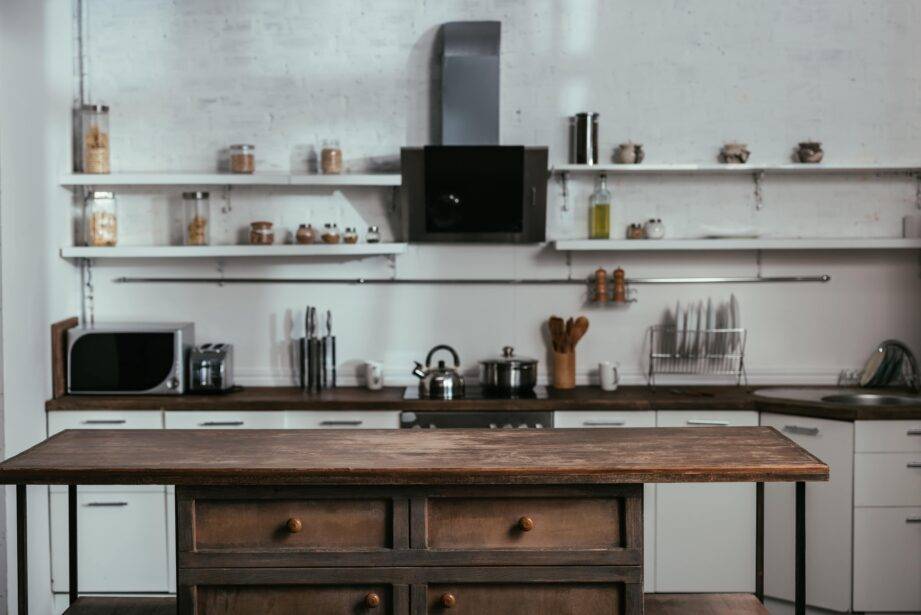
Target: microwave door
<point>122,362</point>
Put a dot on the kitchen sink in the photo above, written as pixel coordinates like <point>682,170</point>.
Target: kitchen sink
<point>841,397</point>
<point>871,399</point>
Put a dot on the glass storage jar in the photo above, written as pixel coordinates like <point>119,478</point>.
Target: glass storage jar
<point>197,217</point>
<point>242,158</point>
<point>331,158</point>
<point>261,233</point>
<point>373,235</point>
<point>305,234</point>
<point>101,216</point>
<point>94,134</point>
<point>330,233</point>
<point>350,235</point>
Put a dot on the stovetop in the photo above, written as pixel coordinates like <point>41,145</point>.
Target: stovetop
<point>478,392</point>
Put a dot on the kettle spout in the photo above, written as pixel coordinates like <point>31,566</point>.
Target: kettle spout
<point>418,371</point>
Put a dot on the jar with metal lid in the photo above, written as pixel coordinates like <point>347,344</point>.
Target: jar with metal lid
<point>331,158</point>
<point>197,210</point>
<point>636,231</point>
<point>242,158</point>
<point>305,234</point>
<point>330,233</point>
<point>373,235</point>
<point>350,235</point>
<point>101,216</point>
<point>94,149</point>
<point>261,233</point>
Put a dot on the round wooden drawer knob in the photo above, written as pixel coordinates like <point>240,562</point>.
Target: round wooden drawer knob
<point>294,525</point>
<point>526,524</point>
<point>372,600</point>
<point>448,600</point>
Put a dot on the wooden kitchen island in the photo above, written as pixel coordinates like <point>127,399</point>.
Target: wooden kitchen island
<point>410,522</point>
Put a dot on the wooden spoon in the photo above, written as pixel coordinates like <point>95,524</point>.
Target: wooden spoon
<point>557,332</point>
<point>579,327</point>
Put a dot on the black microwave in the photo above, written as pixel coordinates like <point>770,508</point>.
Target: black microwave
<point>133,358</point>
<point>475,193</point>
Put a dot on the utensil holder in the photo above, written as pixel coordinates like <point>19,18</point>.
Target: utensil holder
<point>564,370</point>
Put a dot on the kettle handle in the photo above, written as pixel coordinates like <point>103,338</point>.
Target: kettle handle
<point>428,358</point>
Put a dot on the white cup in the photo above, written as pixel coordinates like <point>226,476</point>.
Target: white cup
<point>374,375</point>
<point>608,375</point>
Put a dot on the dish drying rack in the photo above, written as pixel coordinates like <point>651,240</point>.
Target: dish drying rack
<point>706,352</point>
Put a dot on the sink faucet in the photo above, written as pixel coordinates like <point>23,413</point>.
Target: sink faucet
<point>914,380</point>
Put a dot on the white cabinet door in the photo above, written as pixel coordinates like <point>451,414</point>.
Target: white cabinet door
<point>828,516</point>
<point>103,419</point>
<point>887,479</point>
<point>705,533</point>
<point>601,419</point>
<point>223,419</point>
<point>343,419</point>
<point>887,559</point>
<point>888,437</point>
<point>121,544</point>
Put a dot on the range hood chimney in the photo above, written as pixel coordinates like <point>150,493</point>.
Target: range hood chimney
<point>470,83</point>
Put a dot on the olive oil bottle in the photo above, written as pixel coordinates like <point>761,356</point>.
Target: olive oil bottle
<point>600,211</point>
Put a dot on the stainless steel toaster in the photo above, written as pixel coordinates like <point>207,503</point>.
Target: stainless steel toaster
<point>211,368</point>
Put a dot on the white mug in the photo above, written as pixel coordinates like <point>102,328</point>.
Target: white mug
<point>374,375</point>
<point>608,375</point>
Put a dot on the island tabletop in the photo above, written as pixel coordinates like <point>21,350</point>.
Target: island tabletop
<point>394,457</point>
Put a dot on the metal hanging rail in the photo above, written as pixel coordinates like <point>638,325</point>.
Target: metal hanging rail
<point>469,281</point>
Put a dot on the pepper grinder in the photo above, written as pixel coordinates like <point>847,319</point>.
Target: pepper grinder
<point>620,286</point>
<point>601,286</point>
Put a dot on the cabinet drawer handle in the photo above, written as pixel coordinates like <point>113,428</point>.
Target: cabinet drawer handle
<point>104,422</point>
<point>341,423</point>
<point>294,525</point>
<point>526,524</point>
<point>913,520</point>
<point>914,464</point>
<point>613,423</point>
<point>221,424</point>
<point>448,601</point>
<point>106,504</point>
<point>372,600</point>
<point>914,432</point>
<point>708,422</point>
<point>806,431</point>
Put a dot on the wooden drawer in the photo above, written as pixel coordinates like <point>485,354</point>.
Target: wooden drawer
<point>887,479</point>
<point>524,598</point>
<point>887,436</point>
<point>295,600</point>
<point>887,560</point>
<point>343,419</point>
<point>525,523</point>
<point>292,524</point>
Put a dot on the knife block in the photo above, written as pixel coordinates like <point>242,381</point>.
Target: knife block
<point>564,370</point>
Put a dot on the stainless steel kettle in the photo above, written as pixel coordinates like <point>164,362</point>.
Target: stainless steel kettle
<point>440,382</point>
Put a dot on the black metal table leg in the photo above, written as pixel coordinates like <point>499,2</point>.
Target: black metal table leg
<point>72,541</point>
<point>800,600</point>
<point>22,556</point>
<point>759,542</point>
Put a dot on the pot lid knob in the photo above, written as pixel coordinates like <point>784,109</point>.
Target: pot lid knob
<point>508,352</point>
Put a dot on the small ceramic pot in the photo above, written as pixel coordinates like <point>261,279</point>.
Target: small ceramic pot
<point>734,153</point>
<point>654,229</point>
<point>629,153</point>
<point>809,152</point>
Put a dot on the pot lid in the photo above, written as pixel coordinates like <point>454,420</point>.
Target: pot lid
<point>508,358</point>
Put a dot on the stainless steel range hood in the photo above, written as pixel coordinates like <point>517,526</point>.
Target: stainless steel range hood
<point>470,83</point>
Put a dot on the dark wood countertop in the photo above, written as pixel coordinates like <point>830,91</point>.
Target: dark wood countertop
<point>389,456</point>
<point>626,398</point>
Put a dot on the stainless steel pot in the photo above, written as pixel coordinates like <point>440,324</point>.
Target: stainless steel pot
<point>508,375</point>
<point>440,382</point>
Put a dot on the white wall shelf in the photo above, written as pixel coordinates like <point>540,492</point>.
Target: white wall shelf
<point>652,245</point>
<point>231,179</point>
<point>243,251</point>
<point>629,169</point>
